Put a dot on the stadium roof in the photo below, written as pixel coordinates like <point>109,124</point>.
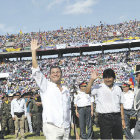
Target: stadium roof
<point>86,48</point>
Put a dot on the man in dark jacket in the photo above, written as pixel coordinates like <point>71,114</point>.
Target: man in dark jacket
<point>36,113</point>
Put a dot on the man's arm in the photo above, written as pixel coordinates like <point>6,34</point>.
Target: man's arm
<point>34,47</point>
<point>122,116</point>
<point>90,83</point>
<point>76,111</point>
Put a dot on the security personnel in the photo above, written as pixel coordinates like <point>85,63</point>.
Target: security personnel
<point>137,103</point>
<point>7,121</point>
<point>18,112</point>
<point>84,111</point>
<point>36,113</point>
<point>128,104</point>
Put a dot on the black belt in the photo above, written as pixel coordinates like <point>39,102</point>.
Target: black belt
<point>114,113</point>
<point>127,109</point>
<point>84,106</point>
<point>19,114</point>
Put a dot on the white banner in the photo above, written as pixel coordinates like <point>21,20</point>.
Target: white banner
<point>61,46</point>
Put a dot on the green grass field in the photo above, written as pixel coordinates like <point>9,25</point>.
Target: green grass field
<point>31,136</point>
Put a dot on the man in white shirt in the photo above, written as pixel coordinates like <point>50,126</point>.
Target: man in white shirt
<point>55,100</point>
<point>128,104</point>
<point>84,111</point>
<point>18,112</point>
<point>109,105</point>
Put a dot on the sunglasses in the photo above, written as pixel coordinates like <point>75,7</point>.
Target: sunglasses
<point>82,86</point>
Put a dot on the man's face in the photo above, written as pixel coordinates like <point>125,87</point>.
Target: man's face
<point>83,88</point>
<point>125,88</point>
<point>17,95</point>
<point>10,98</point>
<point>5,99</point>
<point>109,81</point>
<point>55,75</point>
<point>138,78</point>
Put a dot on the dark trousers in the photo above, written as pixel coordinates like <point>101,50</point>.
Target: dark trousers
<point>127,115</point>
<point>37,123</point>
<point>137,126</point>
<point>110,126</point>
<point>85,120</point>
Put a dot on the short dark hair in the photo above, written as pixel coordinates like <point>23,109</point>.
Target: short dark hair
<point>137,74</point>
<point>53,67</point>
<point>108,73</point>
<point>17,93</point>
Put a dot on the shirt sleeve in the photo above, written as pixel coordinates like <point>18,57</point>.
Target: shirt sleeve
<point>91,99</point>
<point>122,99</point>
<point>75,99</point>
<point>25,109</point>
<point>12,109</point>
<point>39,78</point>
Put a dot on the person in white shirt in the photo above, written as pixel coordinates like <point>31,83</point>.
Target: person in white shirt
<point>128,104</point>
<point>109,101</point>
<point>18,112</point>
<point>55,100</point>
<point>84,111</point>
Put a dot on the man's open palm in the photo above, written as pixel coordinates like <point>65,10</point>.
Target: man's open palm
<point>34,45</point>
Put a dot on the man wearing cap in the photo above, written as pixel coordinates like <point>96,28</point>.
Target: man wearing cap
<point>84,111</point>
<point>109,101</point>
<point>36,113</point>
<point>18,112</point>
<point>128,104</point>
<point>55,99</point>
<point>137,102</point>
<point>7,122</point>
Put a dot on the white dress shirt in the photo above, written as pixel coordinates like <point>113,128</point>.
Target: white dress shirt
<point>107,100</point>
<point>18,106</point>
<point>56,104</point>
<point>129,100</point>
<point>82,99</point>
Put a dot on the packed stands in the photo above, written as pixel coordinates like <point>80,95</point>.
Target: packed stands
<point>72,37</point>
<point>75,69</point>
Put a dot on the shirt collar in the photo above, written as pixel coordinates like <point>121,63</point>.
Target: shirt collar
<point>104,85</point>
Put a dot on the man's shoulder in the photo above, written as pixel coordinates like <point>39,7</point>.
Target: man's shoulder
<point>65,88</point>
<point>98,86</point>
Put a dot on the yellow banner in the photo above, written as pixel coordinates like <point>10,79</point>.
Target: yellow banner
<point>13,50</point>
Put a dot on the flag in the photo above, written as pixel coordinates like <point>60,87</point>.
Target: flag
<point>132,78</point>
<point>20,32</point>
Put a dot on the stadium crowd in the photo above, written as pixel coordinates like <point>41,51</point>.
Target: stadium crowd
<point>72,37</point>
<point>75,69</point>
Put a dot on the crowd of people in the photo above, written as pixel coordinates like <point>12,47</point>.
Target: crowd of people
<point>21,114</point>
<point>75,69</point>
<point>72,37</point>
<point>56,79</point>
